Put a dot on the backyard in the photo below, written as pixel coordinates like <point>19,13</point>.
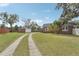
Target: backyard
<point>8,38</point>
<point>48,44</point>
<point>56,44</point>
<point>22,49</point>
<point>39,29</point>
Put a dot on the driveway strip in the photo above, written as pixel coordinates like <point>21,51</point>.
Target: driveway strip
<point>33,50</point>
<point>10,50</point>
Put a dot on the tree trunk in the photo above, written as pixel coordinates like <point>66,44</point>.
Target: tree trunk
<point>11,27</point>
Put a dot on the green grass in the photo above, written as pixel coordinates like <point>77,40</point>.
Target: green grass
<point>22,49</point>
<point>7,39</point>
<point>57,44</point>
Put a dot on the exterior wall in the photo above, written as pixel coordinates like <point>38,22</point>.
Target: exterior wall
<point>76,31</point>
<point>66,29</point>
<point>27,30</point>
<point>45,29</point>
<point>69,31</point>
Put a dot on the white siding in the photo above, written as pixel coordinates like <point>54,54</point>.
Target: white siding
<point>27,30</point>
<point>76,31</point>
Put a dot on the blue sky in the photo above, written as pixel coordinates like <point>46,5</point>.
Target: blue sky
<point>40,13</point>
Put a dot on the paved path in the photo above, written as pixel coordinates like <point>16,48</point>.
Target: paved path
<point>10,50</point>
<point>33,50</point>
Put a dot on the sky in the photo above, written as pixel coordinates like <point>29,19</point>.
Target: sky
<point>39,12</point>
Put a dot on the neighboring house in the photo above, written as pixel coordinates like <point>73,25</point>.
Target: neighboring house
<point>70,28</point>
<point>45,27</point>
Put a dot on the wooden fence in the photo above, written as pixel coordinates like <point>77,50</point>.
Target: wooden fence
<point>4,30</point>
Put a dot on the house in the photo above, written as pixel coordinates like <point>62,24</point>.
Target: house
<point>45,27</point>
<point>71,27</point>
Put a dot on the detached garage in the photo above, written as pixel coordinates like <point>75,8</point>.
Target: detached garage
<point>27,29</point>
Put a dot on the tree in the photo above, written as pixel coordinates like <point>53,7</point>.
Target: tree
<point>70,10</point>
<point>13,18</point>
<point>57,22</point>
<point>2,26</point>
<point>56,26</point>
<point>9,18</point>
<point>27,23</point>
<point>16,28</point>
<point>31,24</point>
<point>34,26</point>
<point>50,27</point>
<point>3,17</point>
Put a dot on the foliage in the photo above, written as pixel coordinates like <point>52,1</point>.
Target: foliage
<point>31,24</point>
<point>34,26</point>
<point>54,27</point>
<point>16,28</point>
<point>9,18</point>
<point>70,10</point>
<point>2,26</point>
<point>27,23</point>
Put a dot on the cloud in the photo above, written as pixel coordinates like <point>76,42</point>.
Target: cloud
<point>47,18</point>
<point>37,21</point>
<point>4,4</point>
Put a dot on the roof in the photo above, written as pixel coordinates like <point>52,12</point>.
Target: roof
<point>46,25</point>
<point>74,22</point>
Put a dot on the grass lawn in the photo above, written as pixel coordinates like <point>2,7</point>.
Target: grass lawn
<point>22,49</point>
<point>7,39</point>
<point>57,44</point>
